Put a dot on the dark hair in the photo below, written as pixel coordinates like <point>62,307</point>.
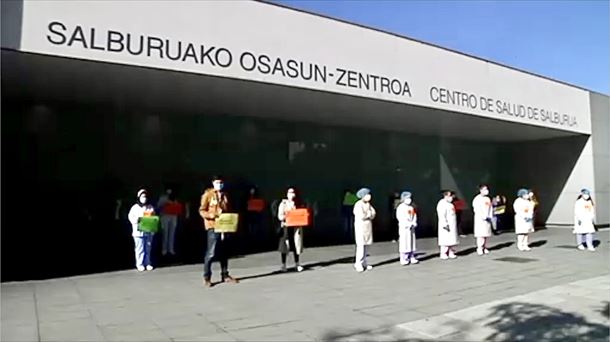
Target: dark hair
<point>447,192</point>
<point>481,186</point>
<point>216,178</point>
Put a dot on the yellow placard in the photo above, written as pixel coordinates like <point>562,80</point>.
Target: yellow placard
<point>226,223</point>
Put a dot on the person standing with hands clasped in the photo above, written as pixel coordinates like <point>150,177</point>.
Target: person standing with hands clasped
<point>447,226</point>
<point>213,203</point>
<point>524,219</point>
<point>584,220</point>
<point>407,221</point>
<point>364,213</point>
<point>483,217</point>
<point>291,238</point>
<point>142,240</point>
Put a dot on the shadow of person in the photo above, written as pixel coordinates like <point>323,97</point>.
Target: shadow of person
<point>537,244</point>
<point>605,310</point>
<point>315,265</point>
<point>519,321</point>
<point>501,246</point>
<point>596,243</point>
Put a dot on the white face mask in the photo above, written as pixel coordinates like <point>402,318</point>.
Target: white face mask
<point>586,197</point>
<point>449,199</point>
<point>408,201</point>
<point>485,192</point>
<point>218,186</point>
<point>291,196</point>
<point>143,199</point>
<point>367,198</point>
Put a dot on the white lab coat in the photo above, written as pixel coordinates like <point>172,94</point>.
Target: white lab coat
<point>446,217</point>
<point>524,216</point>
<point>135,213</point>
<point>284,246</point>
<point>407,221</point>
<point>483,213</point>
<point>364,213</point>
<point>584,212</point>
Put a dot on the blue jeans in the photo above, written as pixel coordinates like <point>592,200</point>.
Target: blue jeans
<point>581,238</point>
<point>215,251</point>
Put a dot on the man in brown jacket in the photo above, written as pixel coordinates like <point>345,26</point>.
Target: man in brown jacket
<point>213,203</point>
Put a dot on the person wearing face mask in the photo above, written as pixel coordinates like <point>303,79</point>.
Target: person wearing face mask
<point>364,214</point>
<point>524,219</point>
<point>447,226</point>
<point>407,221</point>
<point>291,238</point>
<point>142,240</point>
<point>483,215</point>
<point>584,221</point>
<point>170,210</point>
<point>213,203</point>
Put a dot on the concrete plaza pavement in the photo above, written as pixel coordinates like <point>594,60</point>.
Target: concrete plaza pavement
<point>554,292</point>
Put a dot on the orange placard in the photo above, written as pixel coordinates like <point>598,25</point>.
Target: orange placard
<point>298,218</point>
<point>256,205</point>
<point>173,208</point>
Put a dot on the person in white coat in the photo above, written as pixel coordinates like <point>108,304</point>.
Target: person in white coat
<point>364,214</point>
<point>447,226</point>
<point>483,217</point>
<point>291,238</point>
<point>407,222</point>
<point>142,240</point>
<point>524,219</point>
<point>584,221</point>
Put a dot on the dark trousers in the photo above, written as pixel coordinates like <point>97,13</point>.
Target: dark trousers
<point>216,250</point>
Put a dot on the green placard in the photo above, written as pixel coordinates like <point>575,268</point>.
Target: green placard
<point>149,224</point>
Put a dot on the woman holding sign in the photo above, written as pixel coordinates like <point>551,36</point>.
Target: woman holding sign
<point>291,233</point>
<point>144,225</point>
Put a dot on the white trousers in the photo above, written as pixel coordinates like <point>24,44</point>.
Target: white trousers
<point>168,226</point>
<point>143,245</point>
<point>361,252</point>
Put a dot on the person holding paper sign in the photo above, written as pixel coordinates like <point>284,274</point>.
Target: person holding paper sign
<point>213,203</point>
<point>142,240</point>
<point>407,222</point>
<point>364,214</point>
<point>291,238</point>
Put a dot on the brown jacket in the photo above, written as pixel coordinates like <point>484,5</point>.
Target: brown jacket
<point>212,205</point>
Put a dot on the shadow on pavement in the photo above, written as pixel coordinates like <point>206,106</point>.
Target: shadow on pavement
<point>605,310</point>
<point>535,322</point>
<point>344,260</point>
<point>537,244</point>
<point>515,321</point>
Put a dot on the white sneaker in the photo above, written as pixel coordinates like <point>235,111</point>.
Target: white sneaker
<point>359,269</point>
<point>452,255</point>
<point>581,247</point>
<point>591,249</point>
<point>149,268</point>
<point>414,261</point>
<point>369,267</point>
<point>479,251</point>
<point>404,262</point>
<point>283,268</point>
<point>444,257</point>
<point>527,248</point>
<point>300,268</point>
<point>140,268</point>
<point>486,251</point>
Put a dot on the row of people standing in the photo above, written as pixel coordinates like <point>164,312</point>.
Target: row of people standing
<point>214,202</point>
